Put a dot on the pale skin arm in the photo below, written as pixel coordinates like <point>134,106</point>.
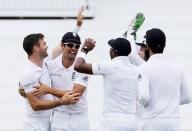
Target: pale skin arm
<point>44,89</point>
<point>80,64</point>
<point>68,98</point>
<point>38,104</point>
<point>56,51</point>
<point>77,88</point>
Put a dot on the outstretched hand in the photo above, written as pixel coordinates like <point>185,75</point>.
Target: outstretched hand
<point>89,44</point>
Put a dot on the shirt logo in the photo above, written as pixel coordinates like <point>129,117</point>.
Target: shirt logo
<point>139,77</point>
<point>85,79</point>
<point>54,74</point>
<point>74,34</point>
<point>30,84</point>
<point>73,76</point>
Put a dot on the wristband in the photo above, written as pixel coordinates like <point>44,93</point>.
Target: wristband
<point>82,55</point>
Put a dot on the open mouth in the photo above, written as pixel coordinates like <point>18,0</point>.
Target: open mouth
<point>73,53</point>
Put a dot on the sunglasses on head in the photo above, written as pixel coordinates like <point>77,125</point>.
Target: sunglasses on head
<point>71,45</point>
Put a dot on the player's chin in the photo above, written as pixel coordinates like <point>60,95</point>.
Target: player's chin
<point>46,54</point>
<point>72,56</point>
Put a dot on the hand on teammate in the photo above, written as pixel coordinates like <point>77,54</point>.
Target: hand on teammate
<point>70,98</point>
<point>42,89</point>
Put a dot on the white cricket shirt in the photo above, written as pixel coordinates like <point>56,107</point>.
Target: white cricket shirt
<point>120,84</point>
<point>30,78</point>
<point>64,79</point>
<point>167,88</point>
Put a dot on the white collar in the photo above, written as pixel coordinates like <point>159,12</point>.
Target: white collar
<point>34,66</point>
<point>60,63</point>
<point>157,56</point>
<point>121,58</point>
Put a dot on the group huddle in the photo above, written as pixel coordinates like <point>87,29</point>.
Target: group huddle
<point>142,87</point>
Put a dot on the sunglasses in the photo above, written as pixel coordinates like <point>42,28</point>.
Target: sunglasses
<point>71,45</point>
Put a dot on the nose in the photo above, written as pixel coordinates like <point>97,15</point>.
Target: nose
<point>74,48</point>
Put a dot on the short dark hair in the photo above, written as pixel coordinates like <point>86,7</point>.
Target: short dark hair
<point>121,46</point>
<point>156,40</point>
<point>30,41</point>
<point>71,37</point>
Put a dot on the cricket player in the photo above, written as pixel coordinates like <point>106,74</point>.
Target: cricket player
<point>72,117</point>
<point>35,73</point>
<point>162,87</point>
<point>120,84</point>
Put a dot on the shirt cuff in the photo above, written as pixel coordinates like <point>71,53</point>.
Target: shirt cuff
<point>82,55</point>
<point>76,29</point>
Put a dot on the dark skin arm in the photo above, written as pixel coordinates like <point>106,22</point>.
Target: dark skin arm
<point>80,64</point>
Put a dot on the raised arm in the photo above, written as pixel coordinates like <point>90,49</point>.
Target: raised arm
<point>80,64</point>
<point>56,51</point>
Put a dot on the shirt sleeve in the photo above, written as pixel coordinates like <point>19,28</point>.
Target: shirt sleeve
<point>184,91</point>
<point>143,88</point>
<point>82,79</point>
<point>101,68</point>
<point>29,81</point>
<point>76,29</point>
<point>134,57</point>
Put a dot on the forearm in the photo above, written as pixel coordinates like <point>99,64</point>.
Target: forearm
<point>37,104</point>
<point>56,92</point>
<point>78,89</point>
<point>45,105</point>
<point>81,65</point>
<point>56,51</point>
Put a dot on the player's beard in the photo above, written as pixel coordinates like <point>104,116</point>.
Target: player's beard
<point>146,57</point>
<point>44,54</point>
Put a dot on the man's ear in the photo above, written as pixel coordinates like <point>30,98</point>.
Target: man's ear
<point>115,53</point>
<point>36,48</point>
<point>62,45</point>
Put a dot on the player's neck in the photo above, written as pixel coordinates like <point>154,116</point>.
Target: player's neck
<point>36,60</point>
<point>150,53</point>
<point>67,62</point>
